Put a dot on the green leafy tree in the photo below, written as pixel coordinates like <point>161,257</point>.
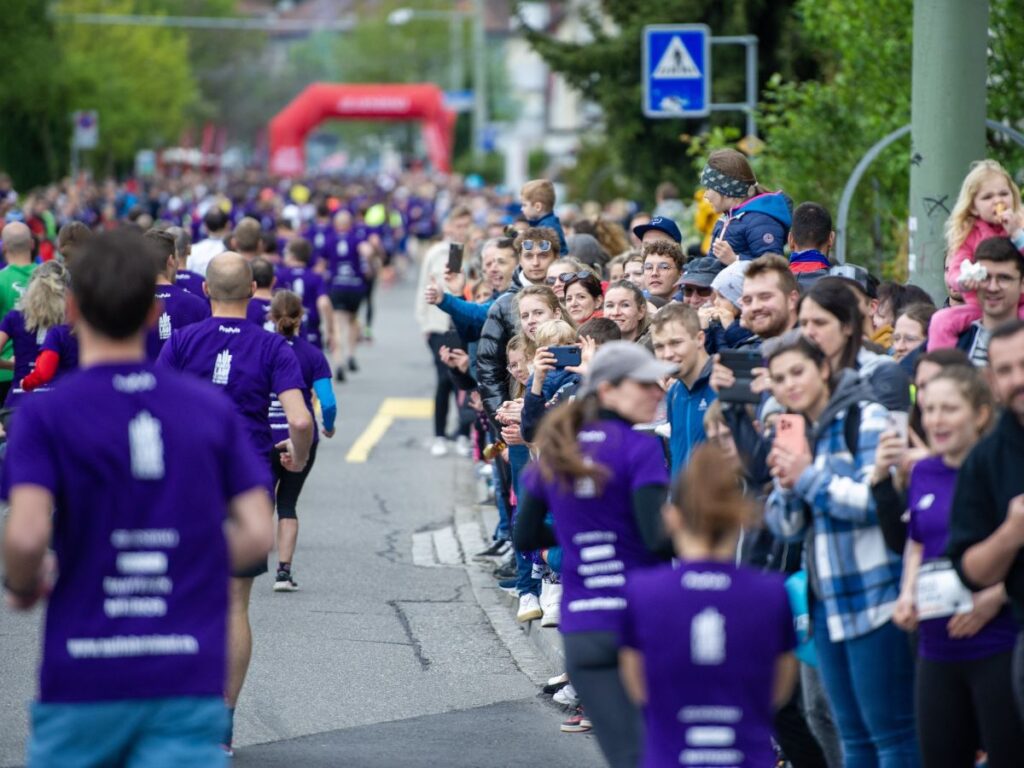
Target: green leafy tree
<point>138,78</point>
<point>606,71</point>
<point>34,103</point>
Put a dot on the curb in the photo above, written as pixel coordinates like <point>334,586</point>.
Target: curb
<point>536,650</point>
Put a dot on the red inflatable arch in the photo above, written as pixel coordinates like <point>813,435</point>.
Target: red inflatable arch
<point>326,101</point>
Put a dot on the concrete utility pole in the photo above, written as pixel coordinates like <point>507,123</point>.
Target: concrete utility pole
<point>948,124</point>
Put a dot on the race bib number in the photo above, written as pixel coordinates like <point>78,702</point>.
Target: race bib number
<point>940,592</point>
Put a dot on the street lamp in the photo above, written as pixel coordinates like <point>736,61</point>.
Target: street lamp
<point>401,16</point>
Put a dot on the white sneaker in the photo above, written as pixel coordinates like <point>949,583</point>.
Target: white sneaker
<point>529,608</point>
<point>463,447</point>
<point>439,447</point>
<point>551,604</point>
<point>566,696</point>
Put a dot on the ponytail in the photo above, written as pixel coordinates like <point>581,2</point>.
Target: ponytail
<point>286,313</point>
<point>558,445</point>
<point>709,497</point>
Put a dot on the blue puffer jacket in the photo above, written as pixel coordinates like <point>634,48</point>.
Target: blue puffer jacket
<point>758,226</point>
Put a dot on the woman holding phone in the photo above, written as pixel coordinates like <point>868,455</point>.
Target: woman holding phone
<point>964,696</point>
<point>824,495</point>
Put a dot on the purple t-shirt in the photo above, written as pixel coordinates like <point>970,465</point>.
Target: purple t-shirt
<point>346,265</point>
<point>191,282</point>
<point>308,286</point>
<point>314,366</point>
<point>25,343</point>
<point>248,362</point>
<point>61,340</point>
<point>258,312</point>
<point>929,497</point>
<point>319,235</point>
<point>180,308</point>
<point>141,463</point>
<point>710,634</point>
<point>601,544</point>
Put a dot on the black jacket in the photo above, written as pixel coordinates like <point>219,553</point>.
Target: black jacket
<point>491,361</point>
<point>989,478</point>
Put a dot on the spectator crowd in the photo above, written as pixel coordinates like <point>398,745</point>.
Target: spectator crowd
<point>772,503</point>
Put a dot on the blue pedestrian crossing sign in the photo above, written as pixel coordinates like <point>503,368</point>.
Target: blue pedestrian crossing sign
<point>677,70</point>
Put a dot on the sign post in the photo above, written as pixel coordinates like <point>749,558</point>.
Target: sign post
<point>85,134</point>
<point>677,70</point>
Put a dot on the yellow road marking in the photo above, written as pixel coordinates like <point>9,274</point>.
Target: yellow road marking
<point>390,409</point>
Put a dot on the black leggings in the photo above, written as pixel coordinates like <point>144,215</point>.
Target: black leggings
<point>592,662</point>
<point>963,706</point>
<point>289,484</point>
<point>369,301</point>
<point>445,388</point>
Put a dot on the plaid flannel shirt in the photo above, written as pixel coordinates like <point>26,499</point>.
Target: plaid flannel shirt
<point>855,575</point>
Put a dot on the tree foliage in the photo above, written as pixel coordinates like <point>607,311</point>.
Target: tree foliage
<point>606,71</point>
<point>138,78</point>
<point>34,127</point>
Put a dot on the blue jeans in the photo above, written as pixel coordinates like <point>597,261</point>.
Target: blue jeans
<point>870,683</point>
<point>518,457</point>
<point>503,531</point>
<point>137,733</point>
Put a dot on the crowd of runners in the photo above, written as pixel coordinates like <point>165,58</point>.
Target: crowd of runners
<point>772,504</point>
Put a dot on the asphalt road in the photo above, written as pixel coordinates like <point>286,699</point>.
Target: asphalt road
<point>377,660</point>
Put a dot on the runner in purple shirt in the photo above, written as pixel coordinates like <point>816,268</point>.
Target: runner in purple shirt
<point>42,307</point>
<point>58,355</point>
<point>179,308</point>
<point>130,473</point>
<point>286,313</point>
<point>708,646</point>
<point>183,277</point>
<point>250,364</point>
<point>258,309</point>
<point>605,490</point>
<point>964,694</point>
<point>295,275</point>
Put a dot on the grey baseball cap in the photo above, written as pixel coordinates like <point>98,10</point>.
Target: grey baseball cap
<point>619,360</point>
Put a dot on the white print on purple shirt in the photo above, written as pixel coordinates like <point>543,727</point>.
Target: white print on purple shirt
<point>164,327</point>
<point>222,368</point>
<point>707,637</point>
<point>147,447</point>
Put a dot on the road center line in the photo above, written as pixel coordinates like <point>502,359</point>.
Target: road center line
<point>391,408</point>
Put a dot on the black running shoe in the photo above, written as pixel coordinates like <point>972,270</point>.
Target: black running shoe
<point>339,374</point>
<point>285,582</point>
<point>352,366</point>
<point>497,549</point>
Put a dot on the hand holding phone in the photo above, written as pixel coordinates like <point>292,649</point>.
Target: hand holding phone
<point>742,365</point>
<point>791,434</point>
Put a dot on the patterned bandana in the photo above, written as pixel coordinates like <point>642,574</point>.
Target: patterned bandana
<point>723,184</point>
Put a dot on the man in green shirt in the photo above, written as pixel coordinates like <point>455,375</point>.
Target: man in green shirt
<point>17,240</point>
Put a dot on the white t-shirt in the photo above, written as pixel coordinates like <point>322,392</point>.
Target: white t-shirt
<point>203,253</point>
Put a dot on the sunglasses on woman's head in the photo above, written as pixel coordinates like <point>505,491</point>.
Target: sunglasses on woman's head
<point>537,245</point>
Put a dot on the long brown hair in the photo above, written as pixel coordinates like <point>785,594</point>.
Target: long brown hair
<point>558,446</point>
<point>709,496</point>
<point>286,312</point>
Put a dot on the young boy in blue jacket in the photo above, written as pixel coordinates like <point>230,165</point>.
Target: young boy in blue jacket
<point>678,339</point>
<point>538,201</point>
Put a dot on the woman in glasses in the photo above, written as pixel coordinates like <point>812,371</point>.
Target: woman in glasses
<point>583,296</point>
<point>910,331</point>
<point>822,492</point>
<point>565,266</point>
<point>626,306</point>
